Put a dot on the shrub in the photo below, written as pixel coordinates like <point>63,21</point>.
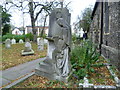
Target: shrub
<point>8,35</point>
<point>74,37</point>
<point>44,36</point>
<point>18,37</point>
<point>6,29</point>
<point>83,57</point>
<point>30,36</point>
<point>11,36</point>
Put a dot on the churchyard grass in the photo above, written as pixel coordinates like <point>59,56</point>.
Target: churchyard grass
<point>12,57</point>
<point>101,76</point>
<point>42,82</point>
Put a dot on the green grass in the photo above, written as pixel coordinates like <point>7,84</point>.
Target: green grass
<point>12,57</point>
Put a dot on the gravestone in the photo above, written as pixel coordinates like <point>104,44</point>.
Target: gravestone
<point>38,40</point>
<point>45,41</point>
<point>40,43</point>
<point>7,43</point>
<point>57,66</point>
<point>28,49</point>
<point>13,41</point>
<point>21,41</point>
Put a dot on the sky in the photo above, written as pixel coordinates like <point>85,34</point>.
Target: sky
<point>76,7</point>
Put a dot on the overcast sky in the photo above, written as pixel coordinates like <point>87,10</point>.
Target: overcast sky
<point>76,6</point>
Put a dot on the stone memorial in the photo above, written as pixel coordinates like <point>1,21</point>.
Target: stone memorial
<point>7,43</point>
<point>45,41</point>
<point>21,41</point>
<point>38,40</point>
<point>28,49</point>
<point>40,43</point>
<point>13,41</point>
<point>57,65</point>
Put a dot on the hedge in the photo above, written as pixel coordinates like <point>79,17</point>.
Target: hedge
<point>17,37</point>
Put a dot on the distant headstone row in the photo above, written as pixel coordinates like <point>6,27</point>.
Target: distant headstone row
<point>21,41</point>
<point>13,41</point>
<point>8,42</point>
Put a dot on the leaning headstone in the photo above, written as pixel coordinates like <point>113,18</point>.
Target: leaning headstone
<point>57,66</point>
<point>45,41</point>
<point>40,44</point>
<point>13,41</point>
<point>21,41</point>
<point>28,49</point>
<point>7,43</point>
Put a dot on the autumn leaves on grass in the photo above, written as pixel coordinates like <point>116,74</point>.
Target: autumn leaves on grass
<point>12,57</point>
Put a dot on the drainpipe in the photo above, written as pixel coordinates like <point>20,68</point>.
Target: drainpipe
<point>101,34</point>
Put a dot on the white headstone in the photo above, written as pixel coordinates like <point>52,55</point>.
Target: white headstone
<point>38,40</point>
<point>45,41</point>
<point>28,47</point>
<point>21,41</point>
<point>13,41</point>
<point>40,44</point>
<point>7,43</point>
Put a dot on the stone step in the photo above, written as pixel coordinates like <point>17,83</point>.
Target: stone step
<point>49,61</point>
<point>47,70</point>
<point>46,67</point>
<point>45,64</point>
<point>44,74</point>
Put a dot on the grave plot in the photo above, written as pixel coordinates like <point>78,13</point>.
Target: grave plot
<point>101,78</point>
<point>101,75</point>
<point>12,56</point>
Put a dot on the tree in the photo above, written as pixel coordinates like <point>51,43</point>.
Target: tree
<point>46,7</point>
<point>5,22</point>
<point>6,29</point>
<point>5,17</point>
<point>85,20</point>
<point>0,19</point>
<point>34,9</point>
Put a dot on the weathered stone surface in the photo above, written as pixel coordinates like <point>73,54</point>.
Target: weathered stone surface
<point>40,43</point>
<point>28,49</point>
<point>38,40</point>
<point>7,43</point>
<point>106,32</point>
<point>13,41</point>
<point>59,45</point>
<point>45,41</point>
<point>21,41</point>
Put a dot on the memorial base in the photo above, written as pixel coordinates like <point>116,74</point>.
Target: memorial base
<point>27,53</point>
